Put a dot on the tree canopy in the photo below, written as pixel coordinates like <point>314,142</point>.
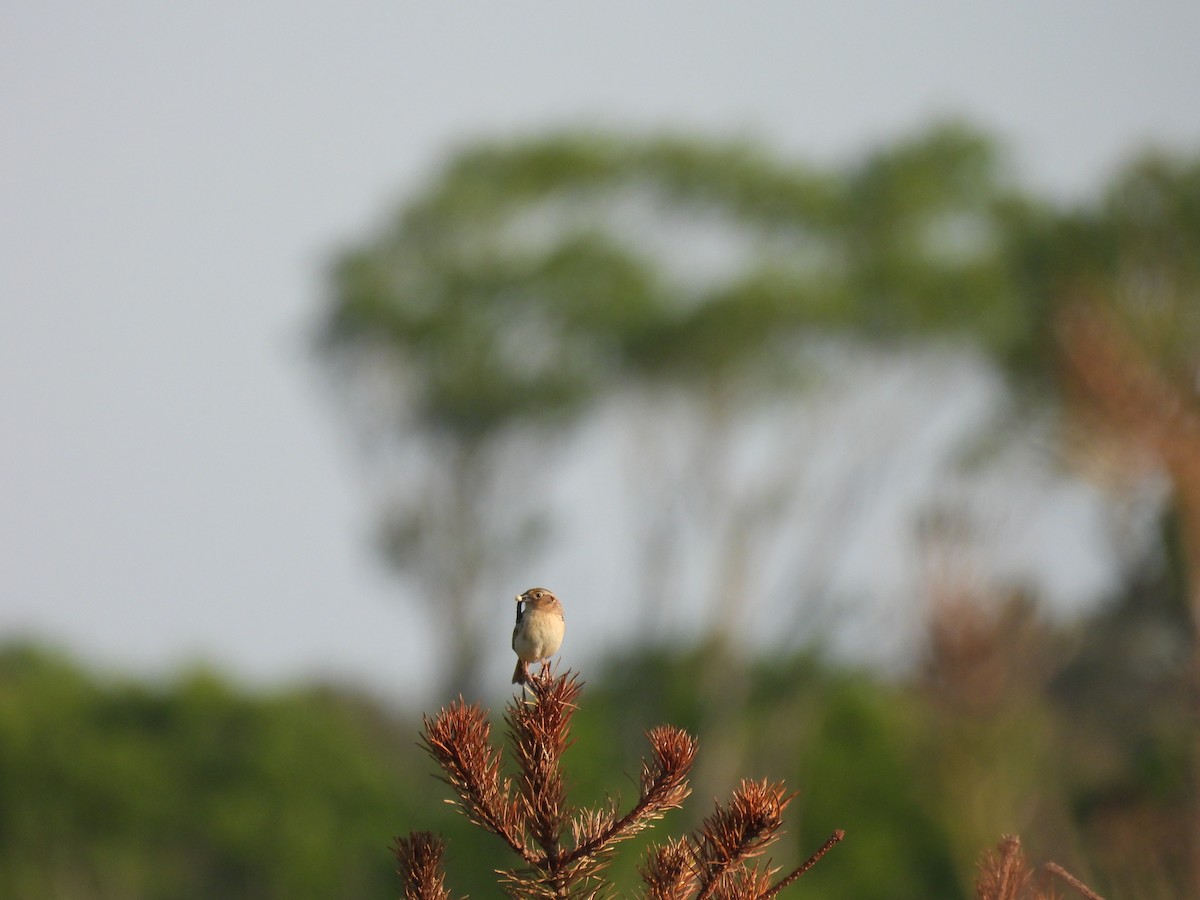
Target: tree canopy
<point>533,280</point>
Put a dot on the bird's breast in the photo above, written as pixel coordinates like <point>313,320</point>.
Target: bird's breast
<point>538,636</point>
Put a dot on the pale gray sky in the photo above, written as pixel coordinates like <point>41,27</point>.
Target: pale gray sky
<point>174,178</point>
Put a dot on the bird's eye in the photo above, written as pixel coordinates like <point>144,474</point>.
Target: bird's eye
<point>537,595</point>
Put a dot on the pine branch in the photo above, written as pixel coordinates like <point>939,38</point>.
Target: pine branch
<point>738,832</point>
<point>664,787</point>
<point>717,862</point>
<point>1005,875</point>
<point>540,735</point>
<point>458,740</point>
<point>419,857</point>
<point>668,872</point>
<point>533,815</point>
<point>795,874</point>
<point>1084,891</point>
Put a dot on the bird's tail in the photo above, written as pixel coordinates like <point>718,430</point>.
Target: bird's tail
<point>521,674</point>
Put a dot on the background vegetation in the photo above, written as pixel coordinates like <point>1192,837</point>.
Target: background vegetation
<point>537,287</point>
<point>197,789</point>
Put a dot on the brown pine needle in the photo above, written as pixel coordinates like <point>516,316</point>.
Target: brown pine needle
<point>563,850</point>
<point>1003,874</point>
<point>419,859</point>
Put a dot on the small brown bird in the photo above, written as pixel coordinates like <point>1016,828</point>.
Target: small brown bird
<point>539,630</point>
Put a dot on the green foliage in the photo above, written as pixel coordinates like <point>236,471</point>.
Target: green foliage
<point>533,279</point>
<point>529,279</point>
<point>863,759</point>
<point>193,790</point>
<point>530,276</point>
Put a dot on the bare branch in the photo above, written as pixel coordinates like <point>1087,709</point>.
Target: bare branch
<point>1083,889</point>
<point>829,844</point>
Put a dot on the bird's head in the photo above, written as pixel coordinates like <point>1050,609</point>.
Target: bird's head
<point>536,597</point>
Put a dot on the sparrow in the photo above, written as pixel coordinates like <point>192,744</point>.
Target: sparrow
<point>539,630</point>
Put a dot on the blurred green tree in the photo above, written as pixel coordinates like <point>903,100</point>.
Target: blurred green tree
<point>195,790</point>
<point>1128,329</point>
<point>535,280</point>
